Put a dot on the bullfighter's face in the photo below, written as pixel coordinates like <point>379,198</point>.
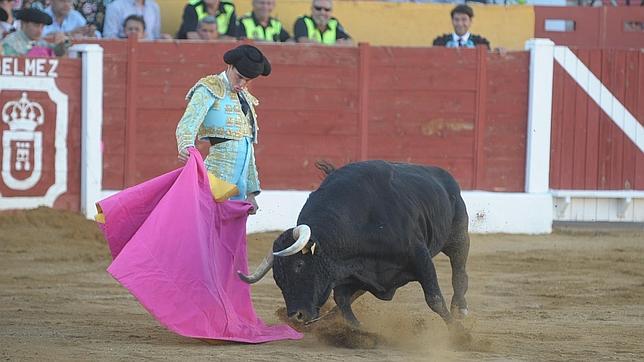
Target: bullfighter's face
<point>237,81</point>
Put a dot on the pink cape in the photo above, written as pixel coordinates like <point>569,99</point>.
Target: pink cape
<point>40,52</point>
<point>177,251</point>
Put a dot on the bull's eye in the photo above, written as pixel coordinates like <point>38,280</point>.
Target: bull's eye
<point>299,265</point>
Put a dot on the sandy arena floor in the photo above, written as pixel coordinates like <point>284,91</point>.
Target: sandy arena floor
<point>565,296</point>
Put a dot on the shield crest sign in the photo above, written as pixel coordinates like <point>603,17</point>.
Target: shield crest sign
<point>22,143</point>
<point>33,129</point>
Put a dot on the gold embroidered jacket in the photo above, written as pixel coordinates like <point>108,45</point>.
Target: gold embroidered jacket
<point>214,110</point>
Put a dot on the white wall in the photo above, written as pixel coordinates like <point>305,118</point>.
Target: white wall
<point>489,212</point>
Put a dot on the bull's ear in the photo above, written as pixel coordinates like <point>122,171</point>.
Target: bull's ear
<point>310,247</point>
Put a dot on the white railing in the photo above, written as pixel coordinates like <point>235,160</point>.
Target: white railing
<point>613,204</point>
<point>91,125</point>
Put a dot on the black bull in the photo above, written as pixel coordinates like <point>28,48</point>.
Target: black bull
<point>372,226</point>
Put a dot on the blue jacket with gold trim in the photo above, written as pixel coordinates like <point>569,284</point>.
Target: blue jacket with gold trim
<point>214,110</point>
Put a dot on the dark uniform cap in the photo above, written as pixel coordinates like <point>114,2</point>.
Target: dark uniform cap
<point>32,15</point>
<point>3,15</point>
<point>248,60</point>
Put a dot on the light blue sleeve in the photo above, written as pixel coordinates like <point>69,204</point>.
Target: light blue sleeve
<point>194,115</point>
<point>253,180</point>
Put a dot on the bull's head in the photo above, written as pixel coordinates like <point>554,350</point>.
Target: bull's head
<point>299,271</point>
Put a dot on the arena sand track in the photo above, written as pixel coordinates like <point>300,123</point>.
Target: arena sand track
<point>564,296</point>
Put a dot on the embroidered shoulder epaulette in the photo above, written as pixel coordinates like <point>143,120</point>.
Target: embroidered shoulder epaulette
<point>213,83</point>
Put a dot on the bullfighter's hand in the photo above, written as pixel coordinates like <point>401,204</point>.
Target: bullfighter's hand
<point>251,198</point>
<point>184,155</point>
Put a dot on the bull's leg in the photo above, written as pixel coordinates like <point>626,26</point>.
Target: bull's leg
<point>429,281</point>
<point>457,253</point>
<point>426,273</point>
<point>344,295</point>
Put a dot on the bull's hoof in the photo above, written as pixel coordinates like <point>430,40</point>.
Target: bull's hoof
<point>458,312</point>
<point>459,336</point>
<point>340,334</point>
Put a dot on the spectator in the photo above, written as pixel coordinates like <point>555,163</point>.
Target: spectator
<point>28,40</point>
<point>35,4</point>
<point>93,11</point>
<point>207,28</point>
<point>119,10</point>
<point>134,25</point>
<point>10,24</point>
<point>320,27</point>
<point>259,25</point>
<point>67,20</point>
<point>3,17</point>
<point>461,38</point>
<point>196,10</point>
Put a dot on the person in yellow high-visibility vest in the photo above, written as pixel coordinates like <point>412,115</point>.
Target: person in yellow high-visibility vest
<point>196,10</point>
<point>320,26</point>
<point>207,28</point>
<point>259,25</point>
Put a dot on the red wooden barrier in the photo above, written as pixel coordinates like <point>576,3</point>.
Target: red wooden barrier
<point>66,76</point>
<point>69,82</point>
<point>463,110</point>
<point>596,27</point>
<point>589,152</point>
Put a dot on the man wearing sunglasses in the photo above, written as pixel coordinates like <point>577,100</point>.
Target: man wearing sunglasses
<point>320,27</point>
<point>222,111</point>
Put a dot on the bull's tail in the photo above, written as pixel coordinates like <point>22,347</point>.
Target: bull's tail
<point>325,166</point>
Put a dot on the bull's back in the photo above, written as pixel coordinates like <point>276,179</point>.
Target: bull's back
<point>386,199</point>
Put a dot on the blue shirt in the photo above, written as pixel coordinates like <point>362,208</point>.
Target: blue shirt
<point>73,20</point>
<point>119,10</point>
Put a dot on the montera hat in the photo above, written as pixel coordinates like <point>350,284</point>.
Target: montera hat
<point>248,60</point>
<point>32,15</point>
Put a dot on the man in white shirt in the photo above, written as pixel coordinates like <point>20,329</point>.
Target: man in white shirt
<point>67,20</point>
<point>119,10</point>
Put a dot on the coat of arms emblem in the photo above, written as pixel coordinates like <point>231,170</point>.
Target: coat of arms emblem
<point>22,143</point>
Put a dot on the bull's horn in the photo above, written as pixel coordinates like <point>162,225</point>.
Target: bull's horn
<point>261,270</point>
<point>302,234</point>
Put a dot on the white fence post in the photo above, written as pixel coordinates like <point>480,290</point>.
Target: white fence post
<point>537,175</point>
<point>92,125</point>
